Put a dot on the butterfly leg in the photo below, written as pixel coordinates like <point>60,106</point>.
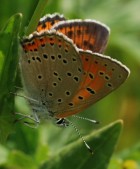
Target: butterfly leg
<point>33,124</point>
<point>20,88</point>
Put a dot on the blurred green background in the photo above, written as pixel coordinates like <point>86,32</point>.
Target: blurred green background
<point>123,18</point>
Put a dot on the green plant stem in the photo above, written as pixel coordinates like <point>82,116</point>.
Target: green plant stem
<point>36,16</point>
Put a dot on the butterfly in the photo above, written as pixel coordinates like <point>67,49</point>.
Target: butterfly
<point>63,68</point>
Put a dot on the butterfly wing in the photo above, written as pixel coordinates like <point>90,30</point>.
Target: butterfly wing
<point>101,76</point>
<point>86,34</point>
<point>48,21</point>
<point>51,69</point>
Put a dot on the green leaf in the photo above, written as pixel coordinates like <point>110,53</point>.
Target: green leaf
<point>19,160</point>
<point>36,16</point>
<point>41,153</point>
<point>9,46</point>
<point>75,155</point>
<point>3,155</point>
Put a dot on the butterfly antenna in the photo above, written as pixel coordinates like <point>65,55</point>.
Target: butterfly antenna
<point>87,119</point>
<point>76,129</point>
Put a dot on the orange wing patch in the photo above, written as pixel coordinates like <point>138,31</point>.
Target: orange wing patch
<point>95,84</point>
<point>40,40</point>
<point>48,21</point>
